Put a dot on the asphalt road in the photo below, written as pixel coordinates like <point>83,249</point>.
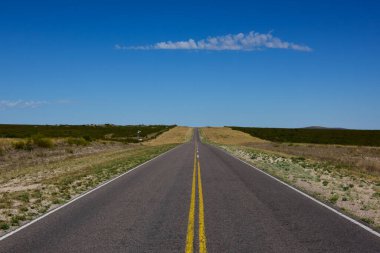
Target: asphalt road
<point>163,206</point>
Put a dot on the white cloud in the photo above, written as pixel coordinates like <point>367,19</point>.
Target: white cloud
<point>9,104</point>
<point>232,42</point>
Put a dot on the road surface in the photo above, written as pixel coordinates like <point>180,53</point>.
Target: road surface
<point>195,198</point>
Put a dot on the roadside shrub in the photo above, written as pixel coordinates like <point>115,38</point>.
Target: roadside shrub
<point>77,141</point>
<point>334,199</point>
<point>23,145</point>
<point>325,183</point>
<point>4,226</point>
<point>88,138</point>
<point>42,142</point>
<point>298,159</point>
<point>24,196</point>
<point>15,220</point>
<point>367,220</point>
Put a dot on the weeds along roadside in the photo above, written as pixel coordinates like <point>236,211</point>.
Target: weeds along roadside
<point>71,166</point>
<point>354,192</point>
<point>32,191</point>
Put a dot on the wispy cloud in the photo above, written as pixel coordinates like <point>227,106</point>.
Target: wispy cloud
<point>14,104</point>
<point>8,104</point>
<point>232,42</point>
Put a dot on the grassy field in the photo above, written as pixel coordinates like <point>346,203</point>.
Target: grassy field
<point>317,136</point>
<point>345,176</point>
<point>34,181</point>
<point>175,135</point>
<point>225,135</point>
<point>88,132</point>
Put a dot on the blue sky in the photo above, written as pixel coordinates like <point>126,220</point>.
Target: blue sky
<point>307,63</point>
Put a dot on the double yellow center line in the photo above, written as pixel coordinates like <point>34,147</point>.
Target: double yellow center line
<point>201,216</point>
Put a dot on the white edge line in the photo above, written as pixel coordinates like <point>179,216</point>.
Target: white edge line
<point>308,196</point>
<point>82,195</point>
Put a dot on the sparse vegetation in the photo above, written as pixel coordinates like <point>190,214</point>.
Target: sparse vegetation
<point>333,199</point>
<point>77,141</point>
<point>31,191</point>
<point>23,145</point>
<point>4,226</point>
<point>45,177</point>
<point>41,141</point>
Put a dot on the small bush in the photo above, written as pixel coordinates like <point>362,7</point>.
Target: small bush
<point>15,220</point>
<point>77,141</point>
<point>23,197</point>
<point>42,142</point>
<point>88,138</point>
<point>298,159</point>
<point>325,183</point>
<point>56,201</point>
<point>334,199</point>
<point>23,145</point>
<point>367,220</point>
<point>4,226</point>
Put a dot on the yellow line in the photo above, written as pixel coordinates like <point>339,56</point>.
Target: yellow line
<point>190,224</point>
<point>202,232</point>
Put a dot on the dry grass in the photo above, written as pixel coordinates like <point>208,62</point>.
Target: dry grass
<point>361,159</point>
<point>356,158</point>
<point>29,191</point>
<point>6,143</point>
<point>34,181</point>
<point>175,135</point>
<point>11,158</point>
<point>225,135</point>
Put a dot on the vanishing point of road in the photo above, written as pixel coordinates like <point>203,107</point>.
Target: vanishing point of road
<point>194,198</point>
